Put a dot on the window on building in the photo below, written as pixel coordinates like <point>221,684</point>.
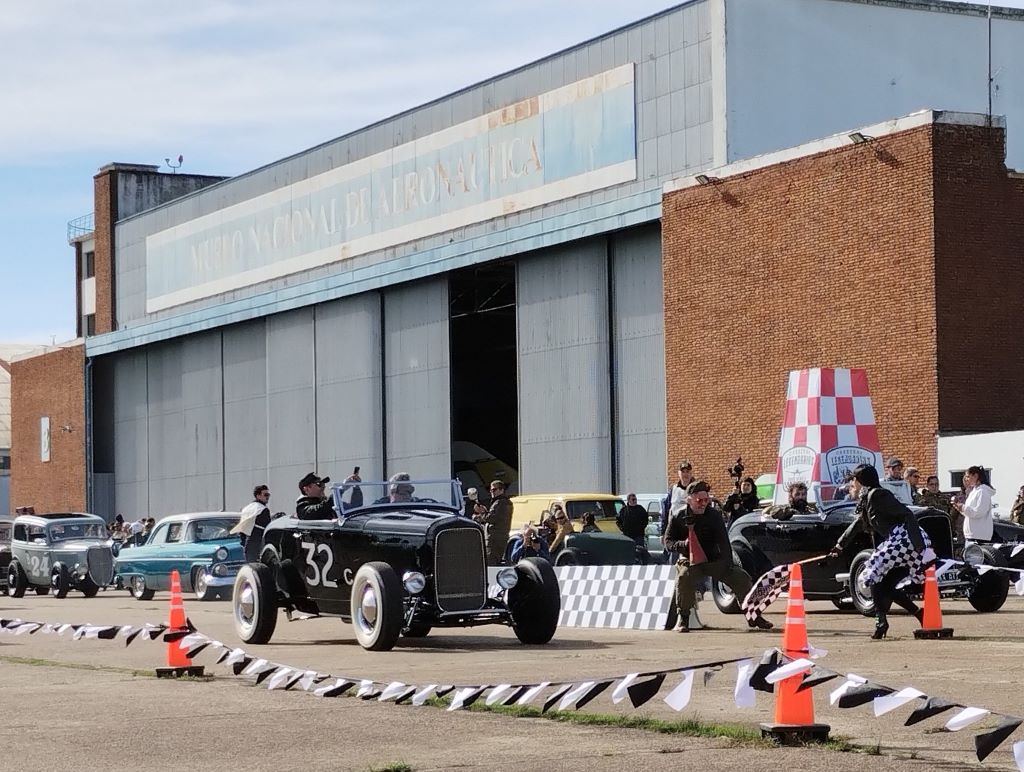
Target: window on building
<point>5,462</point>
<point>90,325</point>
<point>89,265</point>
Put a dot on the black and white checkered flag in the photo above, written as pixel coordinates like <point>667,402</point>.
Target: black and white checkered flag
<point>765,591</point>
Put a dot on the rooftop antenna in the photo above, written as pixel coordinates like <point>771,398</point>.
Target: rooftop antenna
<point>181,159</point>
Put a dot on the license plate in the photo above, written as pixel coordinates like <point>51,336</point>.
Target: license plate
<point>949,577</point>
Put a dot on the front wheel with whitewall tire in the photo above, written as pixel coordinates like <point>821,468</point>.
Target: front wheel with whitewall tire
<point>201,584</point>
<point>60,581</point>
<point>377,606</point>
<point>139,590</point>
<point>17,580</point>
<point>860,593</point>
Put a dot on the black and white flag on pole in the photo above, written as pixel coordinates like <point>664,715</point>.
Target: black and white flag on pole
<point>765,592</point>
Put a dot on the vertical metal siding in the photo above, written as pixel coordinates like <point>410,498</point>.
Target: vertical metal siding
<point>167,481</point>
<point>348,387</point>
<point>291,417</point>
<point>203,427</point>
<point>131,435</point>
<point>564,415</point>
<point>416,377</point>
<point>639,361</point>
<point>245,416</point>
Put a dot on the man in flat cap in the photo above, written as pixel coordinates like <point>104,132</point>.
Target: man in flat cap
<point>313,504</point>
<point>697,533</point>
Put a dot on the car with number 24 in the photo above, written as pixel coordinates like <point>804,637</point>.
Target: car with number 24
<point>61,552</point>
<point>398,559</point>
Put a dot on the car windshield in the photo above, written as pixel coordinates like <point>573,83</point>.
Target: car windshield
<point>603,510</point>
<point>402,494</point>
<point>66,531</point>
<point>5,534</point>
<point>211,529</point>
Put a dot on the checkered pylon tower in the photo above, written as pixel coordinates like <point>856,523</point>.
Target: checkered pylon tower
<point>827,408</point>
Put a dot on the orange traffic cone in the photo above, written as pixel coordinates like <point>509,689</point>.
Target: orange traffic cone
<point>178,662</point>
<point>794,710</point>
<point>931,624</point>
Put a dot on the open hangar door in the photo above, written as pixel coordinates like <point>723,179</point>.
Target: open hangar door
<point>484,404</point>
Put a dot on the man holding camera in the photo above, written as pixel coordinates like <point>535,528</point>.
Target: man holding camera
<point>529,545</point>
<point>698,534</point>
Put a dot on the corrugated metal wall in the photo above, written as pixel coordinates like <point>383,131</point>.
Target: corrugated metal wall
<point>202,423</point>
<point>348,386</point>
<point>416,373</point>
<point>131,434</point>
<point>564,396</point>
<point>639,361</point>
<point>291,403</point>
<point>245,416</point>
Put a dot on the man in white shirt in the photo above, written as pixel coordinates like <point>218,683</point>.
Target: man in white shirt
<point>255,517</point>
<point>135,531</point>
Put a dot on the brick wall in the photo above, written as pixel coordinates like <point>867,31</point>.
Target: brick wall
<point>822,261</point>
<point>105,204</point>
<point>51,385</point>
<point>979,264</point>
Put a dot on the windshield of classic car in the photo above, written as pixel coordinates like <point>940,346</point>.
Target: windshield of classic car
<point>603,510</point>
<point>401,494</point>
<point>212,529</point>
<point>66,531</point>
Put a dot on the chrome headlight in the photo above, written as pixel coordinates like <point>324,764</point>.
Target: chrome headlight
<point>81,569</point>
<point>974,555</point>
<point>414,582</point>
<point>507,578</point>
<point>219,569</point>
<point>221,554</point>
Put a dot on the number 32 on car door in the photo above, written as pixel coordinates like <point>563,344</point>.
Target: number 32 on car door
<point>315,576</point>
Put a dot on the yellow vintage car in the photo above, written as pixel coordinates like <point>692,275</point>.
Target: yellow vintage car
<point>532,508</point>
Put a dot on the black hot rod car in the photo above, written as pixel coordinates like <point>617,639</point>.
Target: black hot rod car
<point>398,559</point>
<point>760,542</point>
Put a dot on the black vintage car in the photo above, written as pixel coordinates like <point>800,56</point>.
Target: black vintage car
<point>397,560</point>
<point>760,542</point>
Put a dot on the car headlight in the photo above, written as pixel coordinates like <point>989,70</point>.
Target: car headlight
<point>414,582</point>
<point>220,569</point>
<point>507,578</point>
<point>974,555</point>
<point>81,570</point>
<point>221,554</point>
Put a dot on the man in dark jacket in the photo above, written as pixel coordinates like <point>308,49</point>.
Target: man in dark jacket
<point>313,504</point>
<point>698,534</point>
<point>632,520</point>
<point>497,523</point>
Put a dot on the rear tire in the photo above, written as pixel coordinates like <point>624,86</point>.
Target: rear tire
<point>535,602</point>
<point>860,594</point>
<point>377,606</point>
<point>990,590</point>
<point>723,595</point>
<point>254,603</point>
<point>567,557</point>
<point>17,581</point>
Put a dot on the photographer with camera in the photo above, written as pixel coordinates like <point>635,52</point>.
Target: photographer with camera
<point>743,498</point>
<point>698,534</point>
<point>529,545</point>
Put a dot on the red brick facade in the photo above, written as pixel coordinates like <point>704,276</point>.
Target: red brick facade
<point>870,255</point>
<point>52,385</point>
<point>105,201</point>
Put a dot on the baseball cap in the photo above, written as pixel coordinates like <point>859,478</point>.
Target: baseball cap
<point>685,465</point>
<point>894,462</point>
<point>311,478</point>
<point>697,486</point>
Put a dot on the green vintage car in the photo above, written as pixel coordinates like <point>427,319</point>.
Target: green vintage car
<point>199,545</point>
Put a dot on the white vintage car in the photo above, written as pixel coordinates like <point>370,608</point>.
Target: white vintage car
<point>60,552</point>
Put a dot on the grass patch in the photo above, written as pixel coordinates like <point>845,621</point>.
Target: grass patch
<point>37,662</point>
<point>398,766</point>
<point>691,727</point>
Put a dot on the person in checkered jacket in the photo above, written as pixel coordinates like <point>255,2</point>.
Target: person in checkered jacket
<point>902,555</point>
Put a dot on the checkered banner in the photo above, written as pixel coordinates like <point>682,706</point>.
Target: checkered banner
<point>623,597</point>
<point>828,429</point>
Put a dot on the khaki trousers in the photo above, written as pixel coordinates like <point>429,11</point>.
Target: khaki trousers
<point>691,577</point>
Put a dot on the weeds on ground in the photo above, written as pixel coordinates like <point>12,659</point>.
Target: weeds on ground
<point>398,766</point>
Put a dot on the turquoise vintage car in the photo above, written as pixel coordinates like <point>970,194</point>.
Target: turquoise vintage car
<point>198,544</point>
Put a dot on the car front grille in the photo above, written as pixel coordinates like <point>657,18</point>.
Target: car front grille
<point>459,569</point>
<point>101,565</point>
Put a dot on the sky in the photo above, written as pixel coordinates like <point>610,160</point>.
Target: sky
<point>230,85</point>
